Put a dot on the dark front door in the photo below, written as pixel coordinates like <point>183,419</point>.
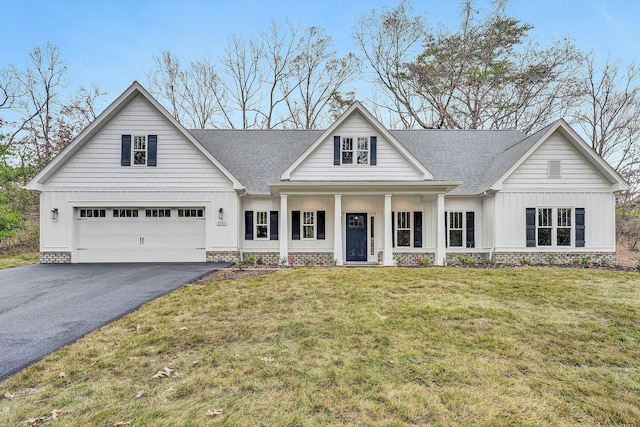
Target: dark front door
<point>356,237</point>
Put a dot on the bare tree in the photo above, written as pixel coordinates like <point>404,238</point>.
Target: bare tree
<point>486,74</point>
<point>241,62</point>
<point>165,82</point>
<point>609,113</point>
<point>388,40</point>
<point>322,76</point>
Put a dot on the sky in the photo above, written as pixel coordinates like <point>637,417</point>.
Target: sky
<point>112,43</point>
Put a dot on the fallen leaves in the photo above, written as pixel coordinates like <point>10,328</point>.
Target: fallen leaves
<point>267,359</point>
<point>165,373</point>
<point>52,417</point>
<point>214,413</point>
<point>139,394</point>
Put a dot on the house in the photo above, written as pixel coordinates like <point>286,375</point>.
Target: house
<point>135,186</point>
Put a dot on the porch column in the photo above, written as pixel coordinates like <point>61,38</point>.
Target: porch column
<point>337,230</point>
<point>283,234</point>
<point>387,256</point>
<point>441,242</point>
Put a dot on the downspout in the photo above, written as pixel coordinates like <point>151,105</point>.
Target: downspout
<point>493,225</point>
<point>240,221</point>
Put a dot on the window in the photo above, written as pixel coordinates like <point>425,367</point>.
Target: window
<point>563,232</point>
<point>403,229</point>
<point>308,225</point>
<point>125,213</point>
<point>358,154</point>
<point>139,150</point>
<point>262,225</point>
<point>545,226</point>
<point>456,229</point>
<point>191,213</point>
<point>92,213</point>
<point>554,226</point>
<point>158,213</point>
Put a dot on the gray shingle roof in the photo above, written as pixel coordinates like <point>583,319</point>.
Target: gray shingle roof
<point>478,158</point>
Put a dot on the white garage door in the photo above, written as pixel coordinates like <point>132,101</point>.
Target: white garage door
<point>140,234</point>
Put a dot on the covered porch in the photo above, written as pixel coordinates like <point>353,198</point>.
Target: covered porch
<point>363,222</point>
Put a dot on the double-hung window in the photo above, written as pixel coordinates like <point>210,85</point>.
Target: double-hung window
<point>456,229</point>
<point>555,227</point>
<point>140,150</point>
<point>403,229</point>
<point>262,225</point>
<point>308,225</point>
<point>355,151</point>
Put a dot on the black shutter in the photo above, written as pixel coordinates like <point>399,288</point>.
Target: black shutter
<point>321,227</point>
<point>374,151</point>
<point>152,154</point>
<point>393,229</point>
<point>336,150</point>
<point>273,225</point>
<point>248,225</point>
<point>417,229</point>
<point>446,230</point>
<point>531,227</point>
<point>125,153</point>
<point>471,235</point>
<point>295,225</point>
<point>579,227</point>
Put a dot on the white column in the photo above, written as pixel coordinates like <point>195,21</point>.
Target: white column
<point>337,230</point>
<point>387,256</point>
<point>441,251</point>
<point>283,232</point>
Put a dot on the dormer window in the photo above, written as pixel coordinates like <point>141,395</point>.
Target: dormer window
<point>355,151</point>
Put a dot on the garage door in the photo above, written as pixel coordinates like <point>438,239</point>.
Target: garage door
<point>140,234</point>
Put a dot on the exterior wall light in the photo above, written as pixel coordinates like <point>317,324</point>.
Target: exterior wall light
<point>54,213</point>
<point>220,214</point>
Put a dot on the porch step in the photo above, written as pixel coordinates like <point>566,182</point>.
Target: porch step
<point>361,264</point>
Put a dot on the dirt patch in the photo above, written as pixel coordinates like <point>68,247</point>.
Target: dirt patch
<point>626,257</point>
<point>234,274</point>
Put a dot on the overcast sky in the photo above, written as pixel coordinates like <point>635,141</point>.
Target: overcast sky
<point>112,43</point>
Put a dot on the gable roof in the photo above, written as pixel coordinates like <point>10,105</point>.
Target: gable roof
<point>109,113</point>
<point>376,125</point>
<point>513,157</point>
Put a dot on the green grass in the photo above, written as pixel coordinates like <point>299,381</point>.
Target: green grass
<point>17,260</point>
<point>383,347</point>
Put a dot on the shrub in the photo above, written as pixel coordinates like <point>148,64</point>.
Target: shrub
<point>250,260</point>
<point>309,262</point>
<point>525,261</point>
<point>551,260</point>
<point>466,259</point>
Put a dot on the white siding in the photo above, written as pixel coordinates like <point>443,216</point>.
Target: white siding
<point>391,165</point>
<point>314,204</point>
<point>60,234</point>
<point>259,204</point>
<point>577,172</point>
<point>180,164</point>
<point>511,223</point>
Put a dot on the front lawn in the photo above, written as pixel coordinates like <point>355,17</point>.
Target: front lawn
<point>19,259</point>
<point>343,346</point>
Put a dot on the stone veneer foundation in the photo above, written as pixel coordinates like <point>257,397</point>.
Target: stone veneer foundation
<point>410,259</point>
<point>61,257</point>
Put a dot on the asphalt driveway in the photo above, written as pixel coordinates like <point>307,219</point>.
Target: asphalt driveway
<point>46,306</point>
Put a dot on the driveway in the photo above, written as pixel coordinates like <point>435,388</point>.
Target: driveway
<point>46,306</point>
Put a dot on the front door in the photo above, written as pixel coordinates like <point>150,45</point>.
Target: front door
<point>356,237</point>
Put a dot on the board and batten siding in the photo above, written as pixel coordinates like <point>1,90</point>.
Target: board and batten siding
<point>576,172</point>
<point>391,165</point>
<point>179,164</point>
<point>510,214</point>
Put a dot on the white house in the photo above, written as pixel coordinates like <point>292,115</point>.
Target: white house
<point>135,186</point>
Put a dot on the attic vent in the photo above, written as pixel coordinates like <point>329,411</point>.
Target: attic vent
<point>555,169</point>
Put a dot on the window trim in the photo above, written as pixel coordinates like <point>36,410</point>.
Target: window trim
<point>257,224</point>
<point>461,229</point>
<point>355,143</point>
<point>135,150</point>
<point>408,217</point>
<point>554,227</point>
<point>304,225</point>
